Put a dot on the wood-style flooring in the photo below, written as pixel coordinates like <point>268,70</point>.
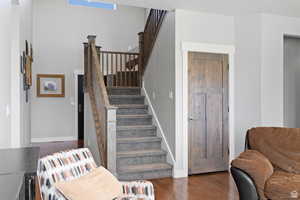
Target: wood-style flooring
<point>214,186</point>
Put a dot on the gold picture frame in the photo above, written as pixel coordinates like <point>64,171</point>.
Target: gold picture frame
<point>51,85</point>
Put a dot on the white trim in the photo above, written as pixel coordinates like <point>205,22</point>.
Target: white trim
<point>182,101</point>
<point>179,173</point>
<point>76,74</point>
<point>15,107</point>
<point>53,139</point>
<point>160,131</point>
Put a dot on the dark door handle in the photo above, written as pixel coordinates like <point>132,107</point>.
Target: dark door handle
<point>29,188</point>
<point>80,108</point>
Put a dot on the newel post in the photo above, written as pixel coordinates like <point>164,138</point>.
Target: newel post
<point>86,66</point>
<point>92,39</point>
<point>141,57</point>
<point>88,62</point>
<point>111,129</point>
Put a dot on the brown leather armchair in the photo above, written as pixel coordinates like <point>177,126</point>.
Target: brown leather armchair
<point>270,166</point>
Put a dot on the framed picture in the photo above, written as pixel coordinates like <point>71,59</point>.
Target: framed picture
<point>51,85</point>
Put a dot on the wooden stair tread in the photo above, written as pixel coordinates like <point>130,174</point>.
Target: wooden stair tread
<point>144,168</point>
<point>138,139</point>
<point>126,96</point>
<point>141,127</point>
<point>131,105</point>
<point>125,88</point>
<point>134,116</point>
<point>125,154</point>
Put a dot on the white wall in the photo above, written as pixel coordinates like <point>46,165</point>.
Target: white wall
<point>159,79</point>
<point>15,77</point>
<point>228,7</point>
<point>273,30</point>
<point>15,20</point>
<point>247,76</point>
<point>5,63</point>
<point>291,82</point>
<point>26,33</point>
<point>59,30</point>
<point>197,28</point>
<point>21,26</point>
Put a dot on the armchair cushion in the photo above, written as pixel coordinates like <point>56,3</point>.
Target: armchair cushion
<point>257,166</point>
<point>98,183</point>
<point>283,185</point>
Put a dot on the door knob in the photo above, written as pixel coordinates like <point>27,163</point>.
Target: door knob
<point>191,118</point>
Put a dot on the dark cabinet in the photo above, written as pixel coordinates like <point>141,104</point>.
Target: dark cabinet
<point>29,185</point>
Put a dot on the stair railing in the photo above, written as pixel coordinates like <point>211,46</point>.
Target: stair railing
<point>120,69</point>
<point>147,38</point>
<point>103,113</point>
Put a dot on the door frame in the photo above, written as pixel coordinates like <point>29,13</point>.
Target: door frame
<point>76,74</point>
<point>182,100</point>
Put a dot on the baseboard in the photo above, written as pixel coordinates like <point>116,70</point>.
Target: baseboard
<point>179,173</point>
<point>160,131</point>
<point>53,139</point>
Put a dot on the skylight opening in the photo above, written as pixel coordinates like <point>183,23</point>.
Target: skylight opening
<point>108,6</point>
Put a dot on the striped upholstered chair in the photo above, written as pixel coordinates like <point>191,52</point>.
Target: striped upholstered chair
<point>69,165</point>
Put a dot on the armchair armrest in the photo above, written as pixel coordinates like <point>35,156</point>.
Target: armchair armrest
<point>257,166</point>
<point>245,184</point>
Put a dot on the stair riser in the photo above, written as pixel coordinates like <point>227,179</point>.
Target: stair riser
<point>133,91</point>
<point>146,175</point>
<point>126,100</point>
<point>133,121</point>
<point>140,160</point>
<point>136,133</point>
<point>131,111</point>
<point>138,146</point>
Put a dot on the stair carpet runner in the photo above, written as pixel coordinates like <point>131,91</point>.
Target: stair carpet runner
<point>139,152</point>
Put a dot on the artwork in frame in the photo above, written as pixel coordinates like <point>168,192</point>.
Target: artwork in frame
<point>51,85</point>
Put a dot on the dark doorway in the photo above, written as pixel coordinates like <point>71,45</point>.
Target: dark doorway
<point>80,108</point>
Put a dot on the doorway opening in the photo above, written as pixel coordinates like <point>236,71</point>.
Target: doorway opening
<point>80,106</point>
<point>291,108</point>
<point>208,112</point>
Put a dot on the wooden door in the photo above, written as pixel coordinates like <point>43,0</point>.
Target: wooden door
<point>208,112</point>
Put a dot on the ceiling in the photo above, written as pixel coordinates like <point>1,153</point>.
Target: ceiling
<point>226,7</point>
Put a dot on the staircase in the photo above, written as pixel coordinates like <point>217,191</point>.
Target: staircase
<point>139,153</point>
<point>128,145</point>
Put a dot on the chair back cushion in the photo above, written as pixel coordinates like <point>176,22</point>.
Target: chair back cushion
<point>63,166</point>
<point>280,145</point>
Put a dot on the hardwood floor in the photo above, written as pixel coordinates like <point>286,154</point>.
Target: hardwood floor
<point>214,186</point>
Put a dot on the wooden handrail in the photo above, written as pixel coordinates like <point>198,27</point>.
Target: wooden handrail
<point>99,76</point>
<point>147,38</point>
<point>104,114</point>
<point>119,52</point>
